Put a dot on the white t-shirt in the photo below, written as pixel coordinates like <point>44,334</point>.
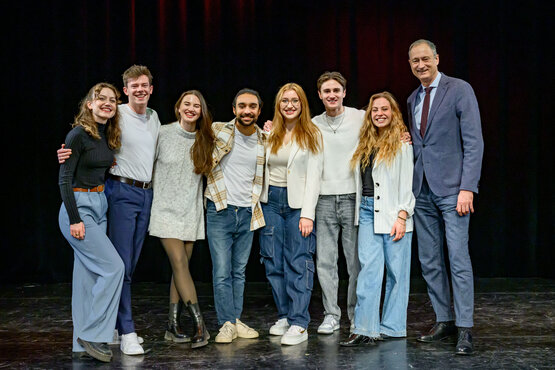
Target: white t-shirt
<point>139,134</point>
<point>239,169</point>
<point>340,135</point>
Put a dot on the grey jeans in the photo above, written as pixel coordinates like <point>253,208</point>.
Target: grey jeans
<point>335,213</point>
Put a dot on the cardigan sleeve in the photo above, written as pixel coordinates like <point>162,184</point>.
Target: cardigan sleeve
<point>406,197</point>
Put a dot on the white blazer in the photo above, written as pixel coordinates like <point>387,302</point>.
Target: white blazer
<point>392,191</point>
<point>304,170</point>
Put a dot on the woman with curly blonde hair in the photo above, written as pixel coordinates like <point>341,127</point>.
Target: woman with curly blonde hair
<point>294,165</point>
<point>383,166</point>
<point>98,269</point>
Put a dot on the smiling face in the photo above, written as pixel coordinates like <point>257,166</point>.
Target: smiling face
<point>332,94</point>
<point>381,113</point>
<point>104,105</point>
<point>190,109</point>
<point>138,90</point>
<point>423,63</point>
<point>246,109</point>
<point>290,105</point>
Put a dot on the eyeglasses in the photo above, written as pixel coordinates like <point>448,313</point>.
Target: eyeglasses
<point>285,102</point>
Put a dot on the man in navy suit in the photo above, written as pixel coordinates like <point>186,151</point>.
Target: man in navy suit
<point>447,137</point>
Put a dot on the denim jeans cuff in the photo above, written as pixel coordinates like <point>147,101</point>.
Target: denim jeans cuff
<point>391,333</point>
<point>371,334</point>
<point>450,317</point>
<point>464,323</point>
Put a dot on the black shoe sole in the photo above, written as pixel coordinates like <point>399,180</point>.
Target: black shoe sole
<point>93,352</point>
<point>172,338</point>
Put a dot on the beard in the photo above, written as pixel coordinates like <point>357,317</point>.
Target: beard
<point>243,123</point>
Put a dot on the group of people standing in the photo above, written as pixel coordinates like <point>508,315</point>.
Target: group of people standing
<point>302,181</point>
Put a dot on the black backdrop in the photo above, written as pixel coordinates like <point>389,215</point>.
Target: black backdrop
<point>56,50</point>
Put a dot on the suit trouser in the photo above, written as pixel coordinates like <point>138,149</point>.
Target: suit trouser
<point>336,213</point>
<point>128,218</point>
<point>97,272</point>
<point>435,217</point>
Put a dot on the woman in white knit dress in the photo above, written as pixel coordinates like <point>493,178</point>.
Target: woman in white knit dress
<point>184,154</point>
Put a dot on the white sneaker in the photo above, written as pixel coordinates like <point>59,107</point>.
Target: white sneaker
<point>280,327</point>
<point>294,335</point>
<point>227,333</point>
<point>329,325</point>
<point>130,344</point>
<point>243,331</point>
<point>117,339</point>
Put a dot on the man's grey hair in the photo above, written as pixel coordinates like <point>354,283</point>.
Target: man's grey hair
<point>424,41</point>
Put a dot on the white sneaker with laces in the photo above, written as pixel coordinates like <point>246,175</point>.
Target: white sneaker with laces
<point>117,339</point>
<point>227,333</point>
<point>329,325</point>
<point>280,327</point>
<point>243,331</point>
<point>294,335</point>
<point>130,344</point>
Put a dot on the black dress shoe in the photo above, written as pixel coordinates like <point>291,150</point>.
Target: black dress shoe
<point>464,343</point>
<point>383,337</point>
<point>358,340</point>
<point>100,351</point>
<point>441,330</point>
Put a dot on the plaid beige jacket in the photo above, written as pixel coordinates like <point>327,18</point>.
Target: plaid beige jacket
<point>215,189</point>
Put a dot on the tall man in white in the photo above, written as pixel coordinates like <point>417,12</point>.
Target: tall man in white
<point>335,212</point>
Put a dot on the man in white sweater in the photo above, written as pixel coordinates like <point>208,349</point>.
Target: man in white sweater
<point>335,212</point>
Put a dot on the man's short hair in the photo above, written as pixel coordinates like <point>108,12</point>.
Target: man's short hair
<point>424,41</point>
<point>248,91</point>
<point>136,71</point>
<point>326,76</point>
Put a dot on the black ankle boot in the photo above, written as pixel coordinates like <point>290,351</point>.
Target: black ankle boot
<point>173,331</point>
<point>201,335</point>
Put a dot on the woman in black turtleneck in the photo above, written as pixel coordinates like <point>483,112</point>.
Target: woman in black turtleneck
<point>98,269</point>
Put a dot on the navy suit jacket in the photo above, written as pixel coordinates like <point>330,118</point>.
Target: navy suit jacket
<point>450,153</point>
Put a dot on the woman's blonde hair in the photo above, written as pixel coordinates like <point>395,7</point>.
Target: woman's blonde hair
<point>384,147</point>
<point>306,134</point>
<point>86,120</point>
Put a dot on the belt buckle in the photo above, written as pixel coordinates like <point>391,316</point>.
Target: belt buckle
<point>145,186</point>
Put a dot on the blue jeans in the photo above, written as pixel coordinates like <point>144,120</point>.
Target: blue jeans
<point>128,218</point>
<point>287,257</point>
<point>373,251</point>
<point>434,217</point>
<point>230,242</point>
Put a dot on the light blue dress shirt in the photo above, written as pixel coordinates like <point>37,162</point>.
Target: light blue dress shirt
<point>420,100</point>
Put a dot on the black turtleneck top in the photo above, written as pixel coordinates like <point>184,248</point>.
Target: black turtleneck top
<point>85,168</point>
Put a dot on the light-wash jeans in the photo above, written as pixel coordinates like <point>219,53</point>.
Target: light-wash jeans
<point>336,213</point>
<point>375,250</point>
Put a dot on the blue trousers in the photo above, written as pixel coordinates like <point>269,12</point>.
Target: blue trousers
<point>287,257</point>
<point>128,217</point>
<point>435,217</point>
<point>230,242</point>
<point>375,251</point>
<point>97,272</point>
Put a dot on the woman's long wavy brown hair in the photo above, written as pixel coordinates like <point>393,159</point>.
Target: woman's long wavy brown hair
<point>306,134</point>
<point>201,151</point>
<point>384,147</point>
<point>85,117</point>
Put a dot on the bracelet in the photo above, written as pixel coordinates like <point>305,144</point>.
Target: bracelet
<point>404,219</point>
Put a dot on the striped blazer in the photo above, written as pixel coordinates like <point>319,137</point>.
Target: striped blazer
<point>215,189</point>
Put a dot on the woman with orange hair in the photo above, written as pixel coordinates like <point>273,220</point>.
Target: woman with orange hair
<point>294,164</point>
<point>383,166</point>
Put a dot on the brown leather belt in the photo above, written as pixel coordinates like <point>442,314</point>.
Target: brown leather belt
<point>96,189</point>
<point>138,184</point>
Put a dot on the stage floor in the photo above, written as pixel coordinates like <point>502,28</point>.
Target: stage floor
<point>514,329</point>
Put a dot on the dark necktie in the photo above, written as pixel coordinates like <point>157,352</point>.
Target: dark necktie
<point>425,110</point>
